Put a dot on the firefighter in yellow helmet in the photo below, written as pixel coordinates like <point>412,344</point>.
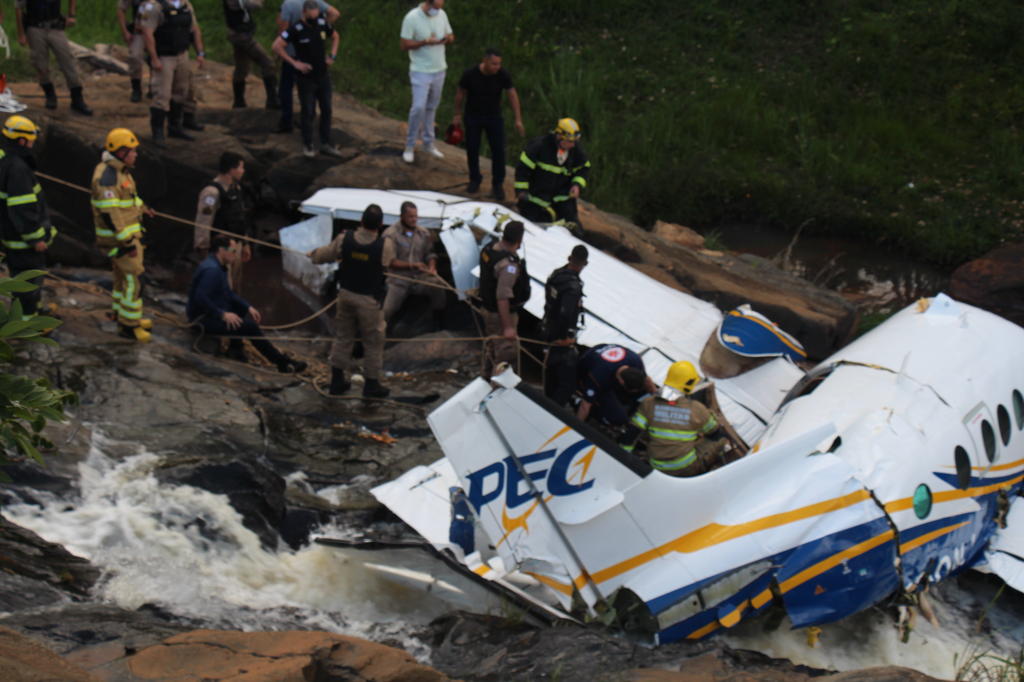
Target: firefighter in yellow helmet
<point>25,228</point>
<point>117,212</point>
<point>551,173</point>
<point>675,427</point>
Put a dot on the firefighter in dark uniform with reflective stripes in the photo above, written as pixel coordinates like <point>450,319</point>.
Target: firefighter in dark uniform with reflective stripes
<point>117,211</point>
<point>504,288</point>
<point>563,305</point>
<point>241,35</point>
<point>25,228</point>
<point>675,427</point>
<point>359,256</point>
<point>551,173</point>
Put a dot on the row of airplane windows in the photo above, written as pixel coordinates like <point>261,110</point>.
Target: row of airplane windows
<point>988,437</point>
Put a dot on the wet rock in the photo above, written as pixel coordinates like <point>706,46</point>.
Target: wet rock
<point>994,282</point>
<point>433,351</point>
<point>210,654</point>
<point>252,486</point>
<point>22,659</point>
<point>34,572</point>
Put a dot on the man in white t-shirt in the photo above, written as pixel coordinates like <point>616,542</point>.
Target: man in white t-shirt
<point>425,32</point>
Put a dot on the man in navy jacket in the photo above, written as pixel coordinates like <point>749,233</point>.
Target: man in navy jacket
<point>221,312</point>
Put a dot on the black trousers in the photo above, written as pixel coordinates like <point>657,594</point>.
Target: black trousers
<point>217,327</point>
<point>20,260</point>
<point>560,373</point>
<point>313,91</point>
<point>494,127</point>
<point>284,93</point>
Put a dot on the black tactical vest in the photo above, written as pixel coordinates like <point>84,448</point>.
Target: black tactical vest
<point>489,258</point>
<point>42,13</point>
<point>232,215</point>
<point>174,34</point>
<point>238,20</point>
<point>360,269</point>
<point>563,301</point>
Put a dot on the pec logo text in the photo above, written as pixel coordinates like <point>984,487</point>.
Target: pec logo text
<point>548,469</point>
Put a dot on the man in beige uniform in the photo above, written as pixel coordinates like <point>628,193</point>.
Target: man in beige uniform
<point>169,27</point>
<point>360,280</point>
<point>409,253</point>
<point>504,288</point>
<point>41,27</point>
<point>222,205</point>
<point>132,33</point>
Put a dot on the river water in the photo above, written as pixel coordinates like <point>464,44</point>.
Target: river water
<point>145,537</point>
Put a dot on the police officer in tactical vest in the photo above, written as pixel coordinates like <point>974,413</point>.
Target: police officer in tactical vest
<point>361,289</point>
<point>504,288</point>
<point>132,34</point>
<point>223,205</point>
<point>169,28</point>
<point>563,306</point>
<point>241,35</point>
<point>41,27</point>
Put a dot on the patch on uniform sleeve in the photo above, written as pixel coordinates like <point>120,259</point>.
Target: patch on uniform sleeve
<point>206,210</point>
<point>210,200</point>
<point>109,194</point>
<point>590,393</point>
<point>510,269</point>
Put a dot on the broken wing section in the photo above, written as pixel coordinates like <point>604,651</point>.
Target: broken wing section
<point>1005,555</point>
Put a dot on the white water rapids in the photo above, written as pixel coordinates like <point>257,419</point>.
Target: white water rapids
<point>146,539</point>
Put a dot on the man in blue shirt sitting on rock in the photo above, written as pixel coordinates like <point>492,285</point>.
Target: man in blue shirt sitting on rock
<point>221,312</point>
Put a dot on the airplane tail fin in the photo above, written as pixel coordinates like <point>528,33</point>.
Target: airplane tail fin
<point>528,469</point>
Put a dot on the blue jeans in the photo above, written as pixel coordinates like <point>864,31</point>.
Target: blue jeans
<point>426,95</point>
<point>494,126</point>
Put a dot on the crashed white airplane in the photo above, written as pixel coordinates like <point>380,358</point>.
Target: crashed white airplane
<point>893,464</point>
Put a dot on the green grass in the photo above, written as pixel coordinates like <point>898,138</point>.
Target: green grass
<point>894,122</point>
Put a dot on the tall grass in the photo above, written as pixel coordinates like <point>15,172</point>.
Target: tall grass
<point>899,122</point>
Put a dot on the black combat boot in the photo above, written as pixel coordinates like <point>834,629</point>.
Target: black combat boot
<point>374,389</point>
<point>50,94</point>
<point>270,85</point>
<point>191,123</point>
<point>239,90</point>
<point>174,128</point>
<point>339,385</point>
<point>289,365</point>
<point>136,90</point>
<point>156,125</point>
<point>78,102</point>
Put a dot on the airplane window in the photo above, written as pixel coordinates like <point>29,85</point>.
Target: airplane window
<point>963,467</point>
<point>988,435</point>
<point>1018,409</point>
<point>810,382</point>
<point>1004,424</point>
<point>922,501</point>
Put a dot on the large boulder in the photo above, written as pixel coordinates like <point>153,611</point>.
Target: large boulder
<point>994,282</point>
<point>34,572</point>
<point>22,659</point>
<point>284,656</point>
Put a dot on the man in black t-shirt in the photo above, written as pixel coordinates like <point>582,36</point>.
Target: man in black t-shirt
<point>480,88</point>
<point>308,37</point>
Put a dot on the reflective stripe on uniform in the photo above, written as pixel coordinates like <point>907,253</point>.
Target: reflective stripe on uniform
<point>543,203</point>
<point>134,228</point>
<point>14,245</point>
<point>117,203</point>
<point>673,434</point>
<point>710,425</point>
<point>130,314</point>
<point>22,199</point>
<point>522,184</point>
<point>104,232</point>
<point>640,420</point>
<point>527,161</point>
<point>677,463</point>
<point>581,181</point>
<point>33,237</point>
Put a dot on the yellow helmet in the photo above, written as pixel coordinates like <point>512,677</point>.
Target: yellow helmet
<point>567,129</point>
<point>121,137</point>
<point>18,126</point>
<point>682,377</point>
